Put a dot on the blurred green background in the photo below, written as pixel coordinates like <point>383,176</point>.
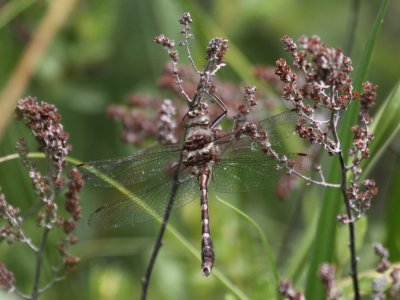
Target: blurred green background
<point>103,52</point>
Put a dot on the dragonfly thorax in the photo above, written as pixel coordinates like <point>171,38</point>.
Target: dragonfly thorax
<point>206,155</point>
<point>197,118</point>
<point>197,138</point>
<point>199,151</point>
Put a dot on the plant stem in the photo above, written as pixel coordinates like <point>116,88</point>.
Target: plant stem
<point>352,230</point>
<point>343,188</point>
<point>158,243</point>
<point>38,268</point>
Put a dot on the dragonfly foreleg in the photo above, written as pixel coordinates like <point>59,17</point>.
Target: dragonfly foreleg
<point>222,105</point>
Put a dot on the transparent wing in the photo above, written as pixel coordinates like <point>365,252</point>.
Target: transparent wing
<point>144,205</point>
<point>280,126</point>
<point>243,167</point>
<point>148,178</point>
<point>134,169</point>
<point>148,175</point>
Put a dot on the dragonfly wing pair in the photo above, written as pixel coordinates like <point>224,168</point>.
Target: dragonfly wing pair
<point>148,175</point>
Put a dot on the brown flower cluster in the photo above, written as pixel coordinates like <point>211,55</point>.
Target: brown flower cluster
<point>141,123</point>
<point>324,68</point>
<point>75,184</point>
<point>395,285</point>
<point>327,276</point>
<point>387,281</point>
<point>166,125</point>
<point>7,279</point>
<point>168,44</point>
<point>136,122</point>
<point>44,122</point>
<point>320,94</point>
<point>383,254</point>
<point>216,51</point>
<point>11,231</point>
<point>326,84</point>
<point>287,291</point>
<point>360,199</point>
<point>362,195</point>
<point>44,187</point>
<point>244,109</point>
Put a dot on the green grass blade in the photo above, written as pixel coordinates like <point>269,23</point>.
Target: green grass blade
<point>266,245</point>
<point>363,66</point>
<point>12,9</point>
<point>391,217</point>
<point>298,262</point>
<point>385,126</point>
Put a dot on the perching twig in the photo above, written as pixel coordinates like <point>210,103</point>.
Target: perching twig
<point>349,212</point>
<point>160,236</point>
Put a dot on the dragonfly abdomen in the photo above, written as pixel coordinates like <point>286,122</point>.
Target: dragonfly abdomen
<point>207,249</point>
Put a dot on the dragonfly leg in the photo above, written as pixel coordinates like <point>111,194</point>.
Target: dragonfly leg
<point>221,104</point>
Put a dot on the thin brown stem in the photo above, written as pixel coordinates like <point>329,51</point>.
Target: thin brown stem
<point>352,230</point>
<point>21,294</point>
<point>38,268</point>
<point>158,243</point>
<point>51,283</point>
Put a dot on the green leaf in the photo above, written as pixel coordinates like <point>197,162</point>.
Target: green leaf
<point>12,9</point>
<point>385,126</point>
<point>267,249</point>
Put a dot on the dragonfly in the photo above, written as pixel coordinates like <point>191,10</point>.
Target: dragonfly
<point>207,160</point>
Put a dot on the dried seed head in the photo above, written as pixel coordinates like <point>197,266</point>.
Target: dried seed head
<point>186,19</point>
<point>166,124</point>
<point>286,290</point>
<point>7,278</point>
<point>44,121</point>
<point>216,50</point>
<point>70,262</point>
<point>395,286</point>
<point>327,275</point>
<point>74,186</point>
<point>164,41</point>
<point>368,96</point>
